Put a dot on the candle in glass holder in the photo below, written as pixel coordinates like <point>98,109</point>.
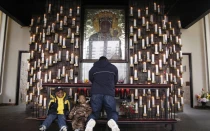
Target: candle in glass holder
<point>139,33</point>
<point>50,60</point>
<point>135,74</point>
<point>151,18</point>
<point>155,7</point>
<point>153,58</point>
<point>57,17</point>
<point>153,76</point>
<point>77,29</point>
<point>139,13</point>
<point>32,22</point>
<point>145,110</point>
<point>46,62</point>
<point>134,22</point>
<point>70,92</point>
<point>131,80</point>
<point>59,73</point>
<point>177,73</point>
<point>157,109</point>
<point>148,75</point>
<point>78,10</point>
<point>70,12</point>
<point>132,97</point>
<point>56,57</point>
<point>77,43</point>
<point>179,24</point>
<point>160,63</point>
<point>160,46</point>
<point>60,39</point>
<point>45,78</point>
<point>136,93</point>
<point>156,29</point>
<point>131,60</point>
<point>73,22</point>
<point>40,99</point>
<point>160,31</point>
<point>75,97</point>
<point>76,60</point>
<point>71,73</point>
<point>30,96</point>
<point>156,69</point>
<point>143,21</point>
<point>153,100</point>
<point>61,24</point>
<point>140,100</point>
<point>181,79</point>
<point>182,100</point>
<point>26,98</point>
<point>66,78</point>
<point>174,79</point>
<point>51,47</point>
<point>147,25</point>
<point>152,39</point>
<point>45,101</point>
<point>131,11</point>
<point>136,107</point>
<point>59,55</point>
<point>49,76</point>
<point>148,55</point>
<point>143,43</point>
<point>131,29</point>
<point>135,38</point>
<point>72,58</point>
<point>63,70</point>
<point>56,38</point>
<point>161,79</point>
<point>144,66</point>
<point>67,55</point>
<point>166,76</point>
<point>174,64</point>
<point>135,59</point>
<point>139,55</point>
<point>158,9</point>
<point>69,32</point>
<point>156,48</point>
<point>61,10</point>
<point>144,92</point>
<point>157,93</point>
<point>179,93</point>
<point>75,79</point>
<point>178,103</point>
<point>148,104</point>
<point>64,42</point>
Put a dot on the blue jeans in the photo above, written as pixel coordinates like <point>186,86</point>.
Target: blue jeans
<point>98,101</point>
<point>51,117</point>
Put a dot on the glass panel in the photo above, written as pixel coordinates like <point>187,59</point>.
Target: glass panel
<point>122,71</point>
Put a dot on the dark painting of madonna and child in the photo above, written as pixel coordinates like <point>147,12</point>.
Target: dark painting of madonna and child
<point>104,34</point>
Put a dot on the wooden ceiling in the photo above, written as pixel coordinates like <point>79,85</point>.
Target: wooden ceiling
<point>189,11</point>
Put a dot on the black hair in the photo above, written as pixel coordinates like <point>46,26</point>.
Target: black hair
<point>102,58</point>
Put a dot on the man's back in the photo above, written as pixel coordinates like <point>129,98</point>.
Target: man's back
<point>103,76</point>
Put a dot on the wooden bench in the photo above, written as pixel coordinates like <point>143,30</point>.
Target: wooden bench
<point>123,122</point>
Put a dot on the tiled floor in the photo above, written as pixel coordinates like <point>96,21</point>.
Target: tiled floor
<point>12,118</point>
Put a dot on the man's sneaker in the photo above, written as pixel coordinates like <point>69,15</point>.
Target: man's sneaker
<point>113,125</point>
<point>90,124</point>
<point>63,128</point>
<point>42,128</point>
<point>76,130</point>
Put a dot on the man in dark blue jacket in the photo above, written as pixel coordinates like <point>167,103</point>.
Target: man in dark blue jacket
<point>103,76</point>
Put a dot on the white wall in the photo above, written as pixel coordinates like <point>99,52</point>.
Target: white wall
<point>17,39</point>
<point>193,42</point>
